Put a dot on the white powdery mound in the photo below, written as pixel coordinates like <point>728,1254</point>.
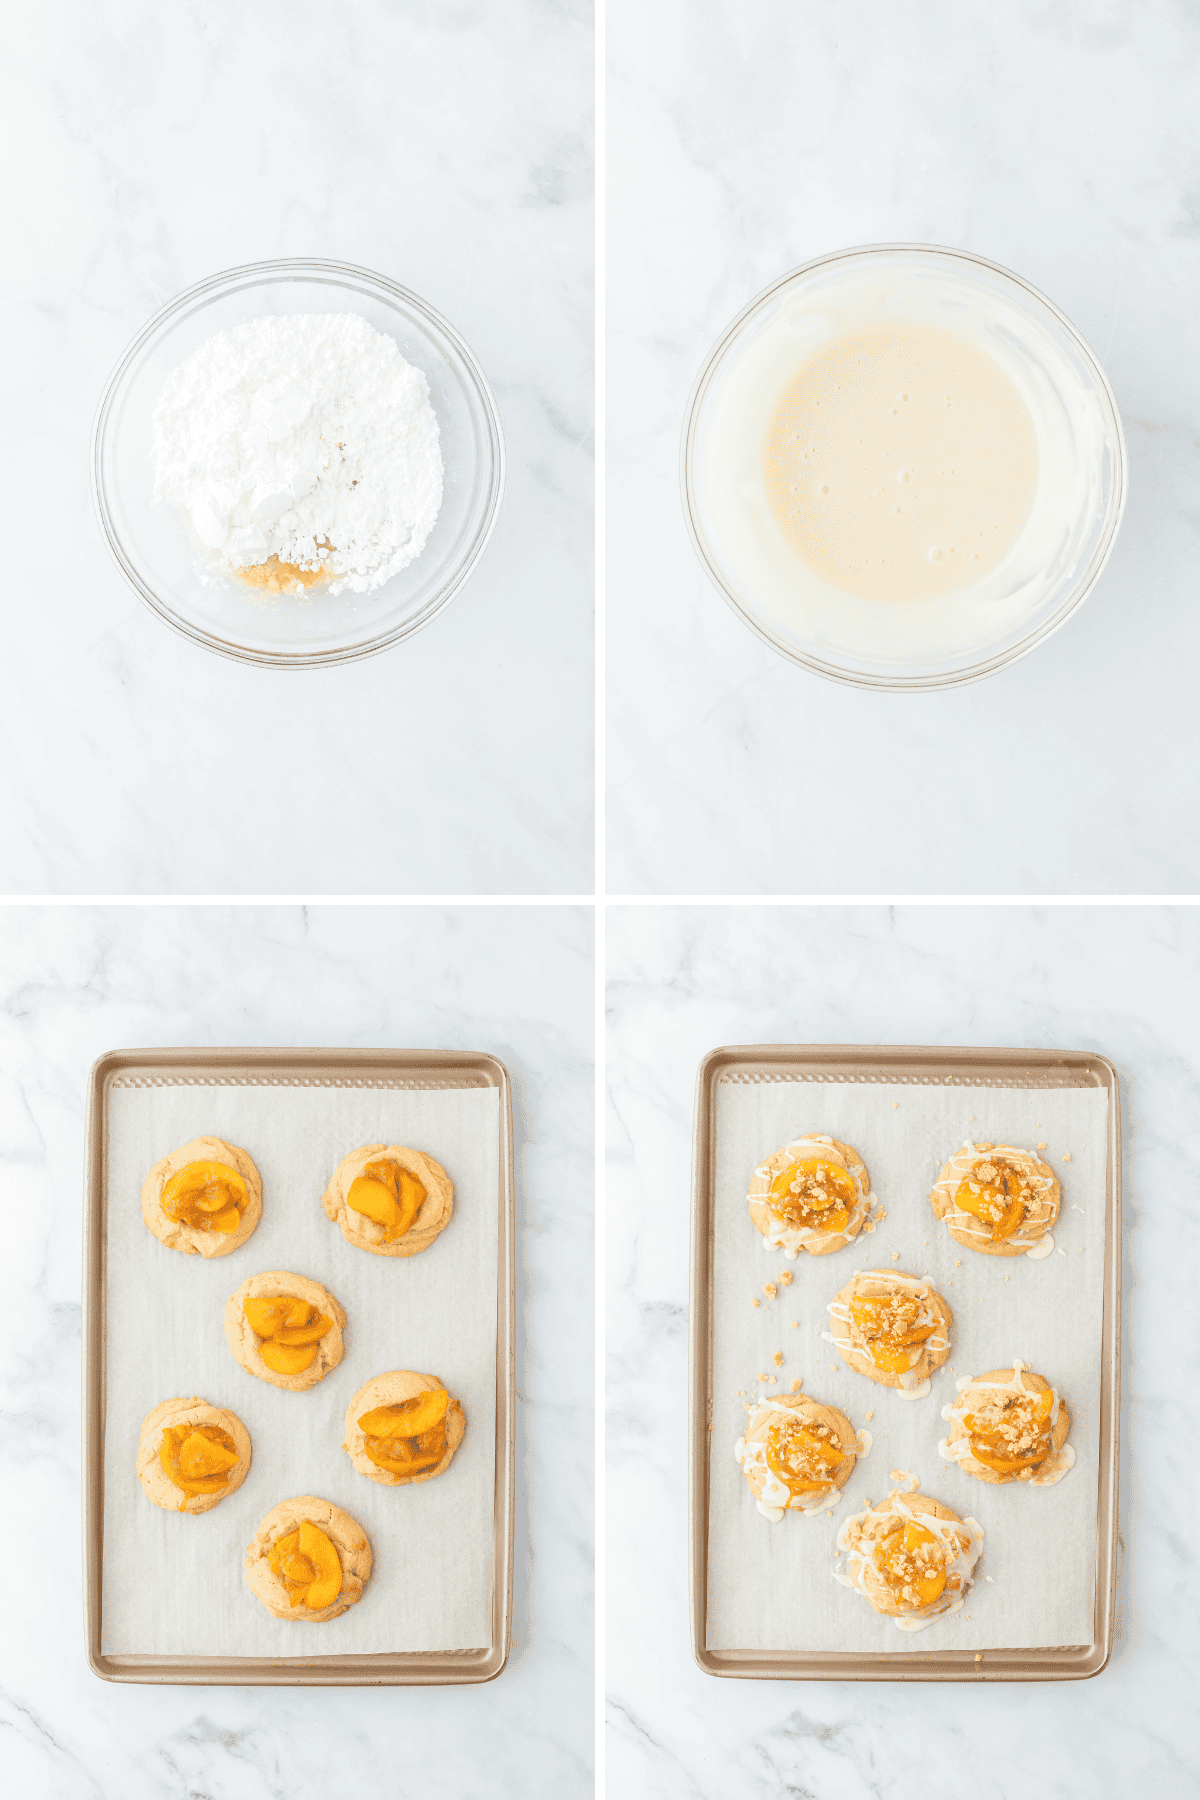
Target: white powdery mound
<point>308,438</point>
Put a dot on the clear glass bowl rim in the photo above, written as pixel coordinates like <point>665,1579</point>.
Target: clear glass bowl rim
<point>240,275</point>
<point>853,677</point>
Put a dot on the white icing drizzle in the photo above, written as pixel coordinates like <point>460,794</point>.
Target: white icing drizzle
<point>1043,1247</point>
<point>962,1563</point>
<point>776,1497</point>
<point>1056,1465</point>
<point>839,1313</point>
<point>791,1239</point>
<point>1051,1470</point>
<point>913,1393</point>
<point>956,1171</point>
<point>864,1440</point>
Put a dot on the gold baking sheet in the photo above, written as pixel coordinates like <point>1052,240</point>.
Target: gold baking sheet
<point>959,1067</point>
<point>292,1067</point>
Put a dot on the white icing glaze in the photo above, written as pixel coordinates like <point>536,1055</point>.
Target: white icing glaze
<point>962,1563</point>
<point>776,1497</point>
<point>791,1239</point>
<point>840,1314</point>
<point>1043,1247</point>
<point>864,1440</point>
<point>1056,1465</point>
<point>957,1169</point>
<point>1051,1470</point>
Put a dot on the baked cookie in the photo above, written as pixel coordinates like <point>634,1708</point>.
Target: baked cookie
<point>998,1200</point>
<point>797,1455</point>
<point>285,1329</point>
<point>403,1427</point>
<point>912,1557</point>
<point>389,1200</point>
<point>813,1194</point>
<point>892,1328</point>
<point>204,1199</point>
<point>1008,1425</point>
<point>309,1561</point>
<point>191,1455</point>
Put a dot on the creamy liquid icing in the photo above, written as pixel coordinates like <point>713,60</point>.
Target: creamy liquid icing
<point>888,297</point>
<point>900,463</point>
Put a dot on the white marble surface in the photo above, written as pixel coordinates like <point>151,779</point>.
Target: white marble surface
<point>1061,141</point>
<point>449,147</point>
<point>78,981</point>
<point>682,981</point>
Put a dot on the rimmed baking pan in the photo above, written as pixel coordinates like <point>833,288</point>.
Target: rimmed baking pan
<point>1030,1070</point>
<point>265,1071</point>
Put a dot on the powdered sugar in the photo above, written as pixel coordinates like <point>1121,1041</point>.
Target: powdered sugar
<point>306,438</point>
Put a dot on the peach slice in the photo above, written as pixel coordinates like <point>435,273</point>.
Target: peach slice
<point>828,1211</point>
<point>400,1465</point>
<point>997,1204</point>
<point>204,1444</point>
<point>311,1333</point>
<point>200,1456</point>
<point>892,1361</point>
<point>206,1196</point>
<point>323,1556</point>
<point>266,1316</point>
<point>390,1195</point>
<point>287,1359</point>
<point>408,1418</point>
<point>374,1201</point>
<point>913,1537</point>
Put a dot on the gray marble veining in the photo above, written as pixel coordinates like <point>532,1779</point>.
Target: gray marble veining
<point>78,981</point>
<point>1123,981</point>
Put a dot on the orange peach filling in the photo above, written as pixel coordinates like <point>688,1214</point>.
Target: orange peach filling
<point>803,1454</point>
<point>997,1194</point>
<point>913,1564</point>
<point>208,1196</point>
<point>410,1437</point>
<point>308,1565</point>
<point>197,1458</point>
<point>390,1195</point>
<point>291,1330</point>
<point>890,1330</point>
<point>815,1192</point>
<point>1011,1432</point>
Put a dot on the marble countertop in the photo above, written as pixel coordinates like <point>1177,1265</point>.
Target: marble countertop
<point>1059,141</point>
<point>450,148</point>
<point>78,981</point>
<point>681,981</point>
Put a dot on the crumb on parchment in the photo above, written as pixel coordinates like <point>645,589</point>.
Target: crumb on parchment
<point>784,1278</point>
<point>794,1325</point>
<point>797,1385</point>
<point>754,1302</point>
<point>769,1289</point>
<point>870,1416</point>
<point>1042,1145</point>
<point>1066,1156</point>
<point>778,1358</point>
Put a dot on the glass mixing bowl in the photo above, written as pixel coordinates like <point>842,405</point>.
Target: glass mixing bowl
<point>149,542</point>
<point>913,644</point>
